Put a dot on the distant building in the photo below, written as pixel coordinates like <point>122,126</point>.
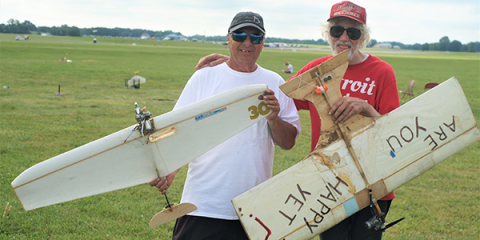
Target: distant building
<point>145,36</point>
<point>383,45</point>
<point>175,37</point>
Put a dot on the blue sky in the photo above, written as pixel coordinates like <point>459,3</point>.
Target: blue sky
<point>406,21</point>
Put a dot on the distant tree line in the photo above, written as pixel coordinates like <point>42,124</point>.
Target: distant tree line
<point>444,44</point>
<point>124,32</point>
<point>63,30</point>
<point>296,41</point>
<point>223,38</point>
<point>220,38</point>
<point>15,26</point>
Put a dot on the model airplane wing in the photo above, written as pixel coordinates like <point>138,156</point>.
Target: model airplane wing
<point>128,158</point>
<point>350,159</point>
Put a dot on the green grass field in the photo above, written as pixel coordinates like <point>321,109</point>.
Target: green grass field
<point>36,125</point>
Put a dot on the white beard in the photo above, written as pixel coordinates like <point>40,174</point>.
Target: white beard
<point>352,51</point>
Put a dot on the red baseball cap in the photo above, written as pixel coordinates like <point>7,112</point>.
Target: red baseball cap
<point>349,10</point>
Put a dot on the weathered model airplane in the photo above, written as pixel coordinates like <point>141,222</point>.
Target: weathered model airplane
<point>356,162</point>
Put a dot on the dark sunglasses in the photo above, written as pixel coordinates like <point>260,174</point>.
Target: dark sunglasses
<point>242,36</point>
<point>353,33</point>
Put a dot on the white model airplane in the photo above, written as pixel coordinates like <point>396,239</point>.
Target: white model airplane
<point>154,148</point>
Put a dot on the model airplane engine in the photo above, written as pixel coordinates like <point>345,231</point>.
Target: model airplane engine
<point>145,125</point>
<point>376,222</point>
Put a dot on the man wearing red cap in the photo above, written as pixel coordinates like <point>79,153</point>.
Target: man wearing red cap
<point>369,88</point>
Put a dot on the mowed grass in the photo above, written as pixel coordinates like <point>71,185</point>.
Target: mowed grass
<point>443,203</point>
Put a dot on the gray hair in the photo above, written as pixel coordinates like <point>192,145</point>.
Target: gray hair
<point>365,38</point>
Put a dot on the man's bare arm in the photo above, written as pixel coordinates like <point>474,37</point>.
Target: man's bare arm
<point>211,60</point>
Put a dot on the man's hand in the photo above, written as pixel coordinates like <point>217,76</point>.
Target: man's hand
<point>283,133</point>
<point>271,101</point>
<point>347,107</point>
<point>162,184</point>
<point>211,60</point>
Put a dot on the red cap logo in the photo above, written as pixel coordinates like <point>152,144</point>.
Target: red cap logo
<point>349,10</point>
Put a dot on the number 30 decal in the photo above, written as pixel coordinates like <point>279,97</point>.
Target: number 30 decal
<point>261,109</point>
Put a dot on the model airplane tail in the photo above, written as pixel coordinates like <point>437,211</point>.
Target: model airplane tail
<point>128,158</point>
<point>170,213</point>
<point>352,159</point>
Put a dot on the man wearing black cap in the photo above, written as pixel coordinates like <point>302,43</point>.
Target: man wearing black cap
<point>369,87</point>
<point>245,160</point>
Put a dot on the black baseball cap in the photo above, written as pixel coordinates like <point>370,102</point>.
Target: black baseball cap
<point>247,19</point>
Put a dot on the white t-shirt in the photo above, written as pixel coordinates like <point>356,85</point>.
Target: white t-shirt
<point>290,68</point>
<point>243,161</point>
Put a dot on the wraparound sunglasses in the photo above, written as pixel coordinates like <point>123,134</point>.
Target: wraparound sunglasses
<point>242,36</point>
<point>353,33</point>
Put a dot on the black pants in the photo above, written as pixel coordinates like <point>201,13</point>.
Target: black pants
<point>202,228</point>
<point>353,227</point>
